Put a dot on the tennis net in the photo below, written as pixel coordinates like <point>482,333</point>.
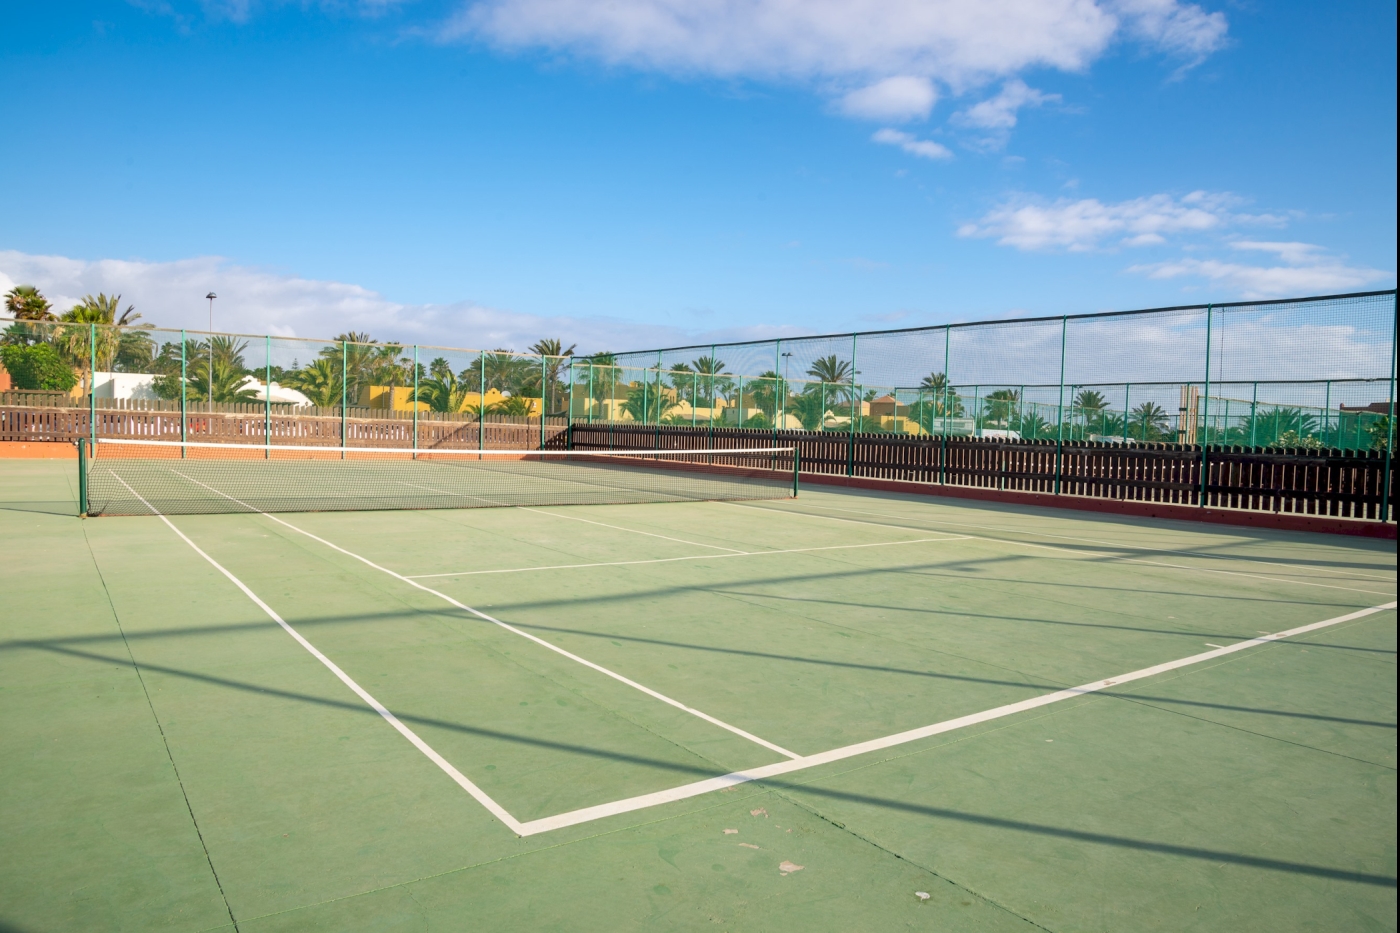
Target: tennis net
<point>136,477</point>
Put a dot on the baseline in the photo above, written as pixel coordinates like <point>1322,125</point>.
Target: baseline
<point>695,789</point>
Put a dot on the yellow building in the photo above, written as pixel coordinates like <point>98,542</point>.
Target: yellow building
<point>400,398</point>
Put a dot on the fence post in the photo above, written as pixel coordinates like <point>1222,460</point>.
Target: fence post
<point>947,404</point>
<point>414,401</point>
<point>344,389</point>
<point>855,401</point>
<point>267,397</point>
<point>92,381</point>
<point>1127,391</point>
<point>544,393</point>
<point>1254,415</point>
<point>1326,410</point>
<point>184,395</point>
<point>1390,422</point>
<point>713,400</point>
<point>481,408</point>
<point>1059,446</point>
<point>1205,413</point>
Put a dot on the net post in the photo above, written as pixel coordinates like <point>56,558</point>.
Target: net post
<point>1205,426</point>
<point>184,394</point>
<point>267,397</point>
<point>414,401</point>
<point>92,381</point>
<point>82,478</point>
<point>796,468</point>
<point>344,389</point>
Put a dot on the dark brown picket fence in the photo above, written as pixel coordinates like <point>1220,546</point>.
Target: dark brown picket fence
<point>1346,484</point>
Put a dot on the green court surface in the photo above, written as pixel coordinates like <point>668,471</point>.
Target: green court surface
<point>841,712</point>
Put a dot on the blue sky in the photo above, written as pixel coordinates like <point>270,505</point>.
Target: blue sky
<point>648,171</point>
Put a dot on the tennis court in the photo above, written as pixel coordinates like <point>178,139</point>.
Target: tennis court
<point>839,711</point>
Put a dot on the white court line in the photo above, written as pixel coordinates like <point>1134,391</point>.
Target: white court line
<point>575,518</point>
<point>587,814</point>
<point>667,560</point>
<point>477,793</point>
<point>509,628</point>
<point>1352,574</point>
<point>1072,553</point>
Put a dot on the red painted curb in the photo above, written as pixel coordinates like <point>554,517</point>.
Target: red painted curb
<point>1283,521</point>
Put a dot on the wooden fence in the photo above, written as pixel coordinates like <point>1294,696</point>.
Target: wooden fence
<point>359,427</point>
<point>1346,484</point>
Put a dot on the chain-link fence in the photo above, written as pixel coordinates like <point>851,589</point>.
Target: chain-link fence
<point>1306,373</point>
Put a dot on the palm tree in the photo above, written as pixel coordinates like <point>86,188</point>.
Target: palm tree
<point>515,405</point>
<point>713,381</point>
<point>1149,422</point>
<point>25,303</point>
<point>834,372</point>
<point>444,392</point>
<point>554,353</point>
<point>648,403</point>
<point>765,391</point>
<point>320,382</point>
<point>1088,405</point>
<point>88,319</point>
<point>1001,404</point>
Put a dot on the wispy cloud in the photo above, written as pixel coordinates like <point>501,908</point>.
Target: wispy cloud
<point>923,148</point>
<point>258,301</point>
<point>996,116</point>
<point>1307,270</point>
<point>1030,223</point>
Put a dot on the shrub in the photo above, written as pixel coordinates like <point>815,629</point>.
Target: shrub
<point>37,367</point>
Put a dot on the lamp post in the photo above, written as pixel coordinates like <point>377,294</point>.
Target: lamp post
<point>211,296</point>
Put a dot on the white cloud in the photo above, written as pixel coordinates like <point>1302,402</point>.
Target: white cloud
<point>960,43</point>
<point>1085,224</point>
<point>999,113</point>
<point>1309,271</point>
<point>903,97</point>
<point>256,301</point>
<point>923,148</point>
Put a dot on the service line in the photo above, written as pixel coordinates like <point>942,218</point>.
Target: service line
<point>667,560</point>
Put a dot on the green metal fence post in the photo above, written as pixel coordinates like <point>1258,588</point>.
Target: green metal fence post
<point>1127,391</point>
<point>851,443</point>
<point>1390,423</point>
<point>92,382</point>
<point>1205,426</point>
<point>1254,416</point>
<point>267,397</point>
<point>947,403</point>
<point>414,401</point>
<point>184,395</point>
<point>544,393</point>
<point>481,408</point>
<point>1326,411</point>
<point>694,397</point>
<point>344,389</point>
<point>1060,417</point>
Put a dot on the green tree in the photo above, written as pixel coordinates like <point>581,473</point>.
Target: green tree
<point>444,391</point>
<point>25,303</point>
<point>1148,422</point>
<point>91,329</point>
<point>838,374</point>
<point>38,366</point>
<point>647,403</point>
<point>214,371</point>
<point>1002,404</point>
<point>712,380</point>
<point>764,393</point>
<point>555,354</point>
<point>1088,409</point>
<point>319,381</point>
